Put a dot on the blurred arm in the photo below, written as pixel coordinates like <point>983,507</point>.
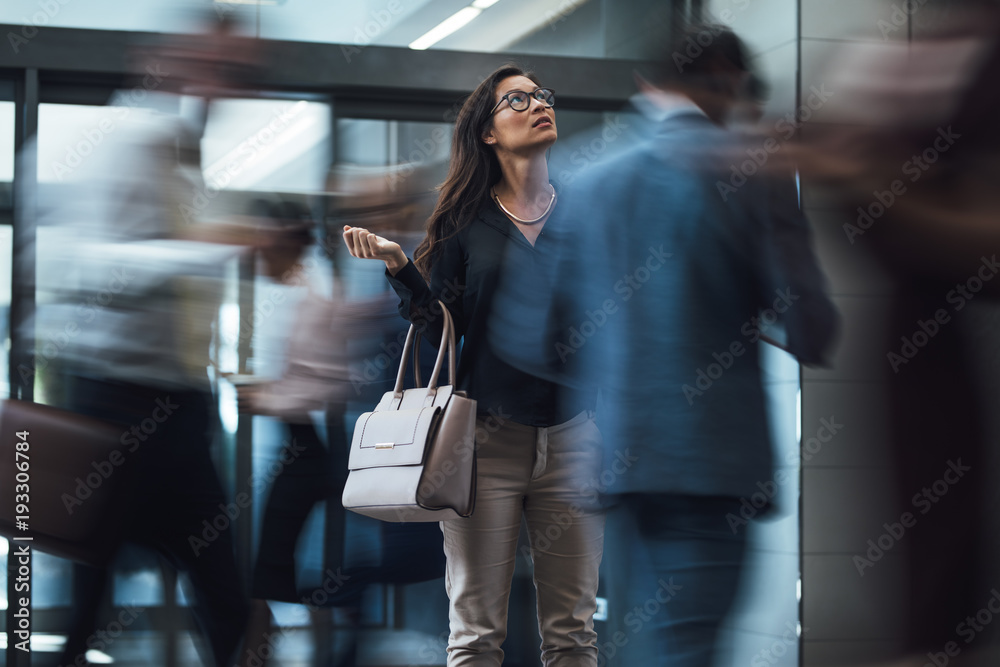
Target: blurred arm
<point>811,321</point>
<point>418,300</point>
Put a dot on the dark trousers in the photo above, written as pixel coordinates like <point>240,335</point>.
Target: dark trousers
<point>675,578</point>
<point>172,489</point>
<point>307,476</point>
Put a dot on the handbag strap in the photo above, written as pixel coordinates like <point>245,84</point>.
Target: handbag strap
<point>448,329</point>
<point>446,346</point>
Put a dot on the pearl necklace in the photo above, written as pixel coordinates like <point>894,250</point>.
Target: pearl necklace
<point>548,208</point>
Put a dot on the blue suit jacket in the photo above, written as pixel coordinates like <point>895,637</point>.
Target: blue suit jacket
<point>654,277</point>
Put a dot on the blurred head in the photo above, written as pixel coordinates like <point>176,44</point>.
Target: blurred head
<point>707,63</point>
<point>216,57</point>
<point>749,108</point>
<point>393,201</point>
<point>286,228</point>
<point>480,132</point>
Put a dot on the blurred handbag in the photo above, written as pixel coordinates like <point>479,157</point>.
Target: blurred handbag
<point>413,458</point>
<point>64,479</point>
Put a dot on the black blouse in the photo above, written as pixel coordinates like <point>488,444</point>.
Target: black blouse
<point>465,277</point>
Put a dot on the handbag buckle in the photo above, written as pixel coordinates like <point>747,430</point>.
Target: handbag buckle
<point>384,445</point>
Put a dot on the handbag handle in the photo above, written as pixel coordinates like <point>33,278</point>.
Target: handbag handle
<point>447,345</point>
<point>451,356</point>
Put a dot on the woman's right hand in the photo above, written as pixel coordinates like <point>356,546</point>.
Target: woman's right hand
<point>363,244</point>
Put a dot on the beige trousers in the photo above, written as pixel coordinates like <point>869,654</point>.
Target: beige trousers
<point>543,475</point>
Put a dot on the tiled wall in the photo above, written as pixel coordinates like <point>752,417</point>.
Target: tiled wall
<point>846,492</point>
<point>848,616</point>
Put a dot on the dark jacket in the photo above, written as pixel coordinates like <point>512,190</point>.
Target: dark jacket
<point>657,285</point>
<point>465,278</point>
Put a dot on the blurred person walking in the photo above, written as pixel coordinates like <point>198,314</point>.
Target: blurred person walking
<point>912,155</point>
<point>662,289</point>
<point>142,277</point>
<point>310,353</point>
<point>535,444</point>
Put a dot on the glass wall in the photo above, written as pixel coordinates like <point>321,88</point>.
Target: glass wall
<point>6,248</point>
<point>6,183</point>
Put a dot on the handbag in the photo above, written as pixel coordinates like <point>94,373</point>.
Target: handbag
<point>64,481</point>
<point>413,458</point>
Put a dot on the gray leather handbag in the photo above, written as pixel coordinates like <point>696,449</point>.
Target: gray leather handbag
<point>413,458</point>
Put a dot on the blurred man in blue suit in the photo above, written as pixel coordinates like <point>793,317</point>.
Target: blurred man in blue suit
<point>666,284</point>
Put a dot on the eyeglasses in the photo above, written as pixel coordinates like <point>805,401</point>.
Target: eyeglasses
<point>520,100</point>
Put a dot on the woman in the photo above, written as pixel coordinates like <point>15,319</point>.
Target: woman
<point>536,445</point>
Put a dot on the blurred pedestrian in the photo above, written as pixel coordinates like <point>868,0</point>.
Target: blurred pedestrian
<point>912,157</point>
<point>133,247</point>
<point>662,291</point>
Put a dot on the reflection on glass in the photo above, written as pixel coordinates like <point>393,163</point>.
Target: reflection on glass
<point>70,135</point>
<point>270,145</point>
<point>6,180</point>
<point>6,257</point>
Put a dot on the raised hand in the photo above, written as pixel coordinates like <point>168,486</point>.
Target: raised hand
<point>365,245</point>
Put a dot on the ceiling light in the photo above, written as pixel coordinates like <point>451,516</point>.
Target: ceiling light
<point>484,4</point>
<point>456,21</point>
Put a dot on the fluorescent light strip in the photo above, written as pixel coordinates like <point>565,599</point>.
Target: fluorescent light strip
<point>456,21</point>
<point>484,4</point>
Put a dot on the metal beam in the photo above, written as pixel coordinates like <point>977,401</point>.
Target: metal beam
<point>22,303</point>
<point>397,73</point>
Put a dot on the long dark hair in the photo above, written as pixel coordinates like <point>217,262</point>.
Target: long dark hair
<point>473,170</point>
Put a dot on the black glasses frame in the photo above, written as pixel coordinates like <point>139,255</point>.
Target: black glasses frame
<point>546,93</point>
